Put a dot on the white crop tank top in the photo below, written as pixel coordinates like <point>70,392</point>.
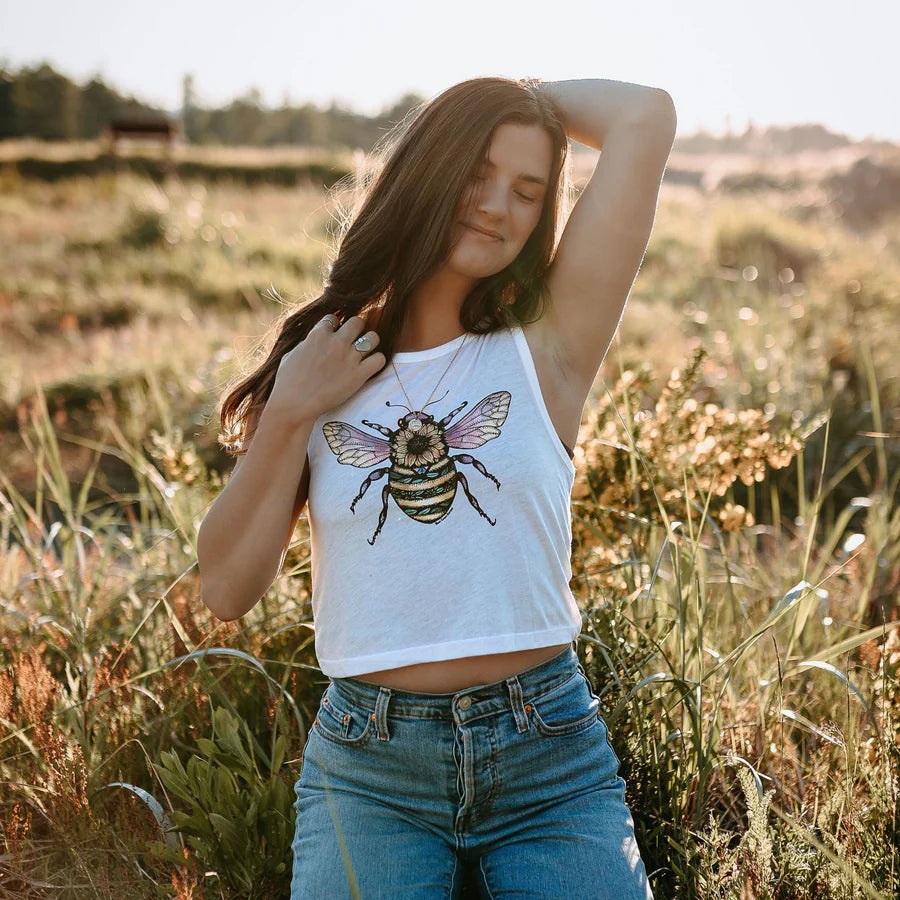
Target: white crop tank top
<point>451,538</point>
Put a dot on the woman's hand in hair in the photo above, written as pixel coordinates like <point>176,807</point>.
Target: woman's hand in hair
<point>324,369</point>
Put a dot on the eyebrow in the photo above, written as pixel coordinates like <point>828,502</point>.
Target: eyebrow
<point>524,176</point>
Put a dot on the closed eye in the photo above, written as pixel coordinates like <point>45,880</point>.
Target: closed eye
<point>525,197</point>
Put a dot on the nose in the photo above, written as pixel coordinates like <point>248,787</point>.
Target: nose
<point>491,200</point>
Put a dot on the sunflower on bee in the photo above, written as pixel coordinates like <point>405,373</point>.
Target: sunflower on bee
<point>424,447</point>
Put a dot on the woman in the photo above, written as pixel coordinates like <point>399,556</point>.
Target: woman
<point>458,726</point>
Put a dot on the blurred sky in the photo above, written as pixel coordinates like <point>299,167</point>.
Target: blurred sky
<point>724,63</point>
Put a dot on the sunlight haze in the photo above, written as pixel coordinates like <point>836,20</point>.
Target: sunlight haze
<point>723,64</point>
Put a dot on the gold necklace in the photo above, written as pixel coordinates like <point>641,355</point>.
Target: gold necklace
<point>416,424</point>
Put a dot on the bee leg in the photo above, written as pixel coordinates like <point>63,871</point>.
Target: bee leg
<point>385,494</point>
<point>466,458</point>
<point>465,486</point>
<point>374,476</point>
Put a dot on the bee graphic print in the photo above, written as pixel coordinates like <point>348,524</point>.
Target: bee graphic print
<point>423,475</point>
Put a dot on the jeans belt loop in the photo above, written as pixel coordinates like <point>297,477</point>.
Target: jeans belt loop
<point>580,666</point>
<point>381,707</point>
<point>518,707</point>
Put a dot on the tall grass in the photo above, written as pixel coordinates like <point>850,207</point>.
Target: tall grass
<point>760,744</point>
<point>757,755</point>
<point>736,550</point>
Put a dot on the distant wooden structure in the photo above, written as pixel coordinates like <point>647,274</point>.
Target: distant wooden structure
<point>159,129</point>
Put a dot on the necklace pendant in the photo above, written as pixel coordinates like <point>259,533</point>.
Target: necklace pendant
<point>416,425</point>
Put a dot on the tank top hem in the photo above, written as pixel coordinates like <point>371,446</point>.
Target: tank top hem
<point>475,646</point>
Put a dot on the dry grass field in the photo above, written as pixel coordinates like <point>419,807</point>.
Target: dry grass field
<point>737,535</point>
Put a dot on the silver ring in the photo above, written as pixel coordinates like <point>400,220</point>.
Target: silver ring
<point>332,320</point>
<point>363,344</point>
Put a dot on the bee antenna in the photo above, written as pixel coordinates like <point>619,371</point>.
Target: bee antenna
<point>388,403</point>
<point>438,400</point>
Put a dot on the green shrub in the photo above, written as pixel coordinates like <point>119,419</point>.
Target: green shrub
<point>239,817</point>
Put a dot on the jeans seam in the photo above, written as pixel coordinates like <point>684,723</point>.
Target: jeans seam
<point>453,875</point>
<point>340,740</point>
<point>570,728</point>
<point>494,768</point>
<point>484,878</point>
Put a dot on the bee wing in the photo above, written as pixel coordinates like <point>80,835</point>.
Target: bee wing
<point>481,424</point>
<point>354,447</point>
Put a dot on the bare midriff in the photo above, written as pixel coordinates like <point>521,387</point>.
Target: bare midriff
<point>447,675</point>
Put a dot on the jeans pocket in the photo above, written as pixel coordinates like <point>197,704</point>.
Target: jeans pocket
<point>342,721</point>
<point>568,708</point>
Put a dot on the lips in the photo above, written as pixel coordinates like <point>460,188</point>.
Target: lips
<point>486,233</point>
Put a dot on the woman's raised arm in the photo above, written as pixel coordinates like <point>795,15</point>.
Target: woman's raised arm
<point>605,238</point>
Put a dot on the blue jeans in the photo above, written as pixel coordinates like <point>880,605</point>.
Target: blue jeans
<point>517,779</point>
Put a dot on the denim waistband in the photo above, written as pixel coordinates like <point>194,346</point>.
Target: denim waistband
<point>481,698</point>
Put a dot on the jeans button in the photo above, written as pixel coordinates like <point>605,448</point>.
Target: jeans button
<point>465,702</point>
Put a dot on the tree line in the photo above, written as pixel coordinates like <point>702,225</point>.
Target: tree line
<point>39,102</point>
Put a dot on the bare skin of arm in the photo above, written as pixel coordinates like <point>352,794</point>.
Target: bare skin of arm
<point>246,532</point>
<point>244,537</point>
<point>607,233</point>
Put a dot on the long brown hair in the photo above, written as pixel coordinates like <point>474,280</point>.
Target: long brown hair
<point>401,231</point>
